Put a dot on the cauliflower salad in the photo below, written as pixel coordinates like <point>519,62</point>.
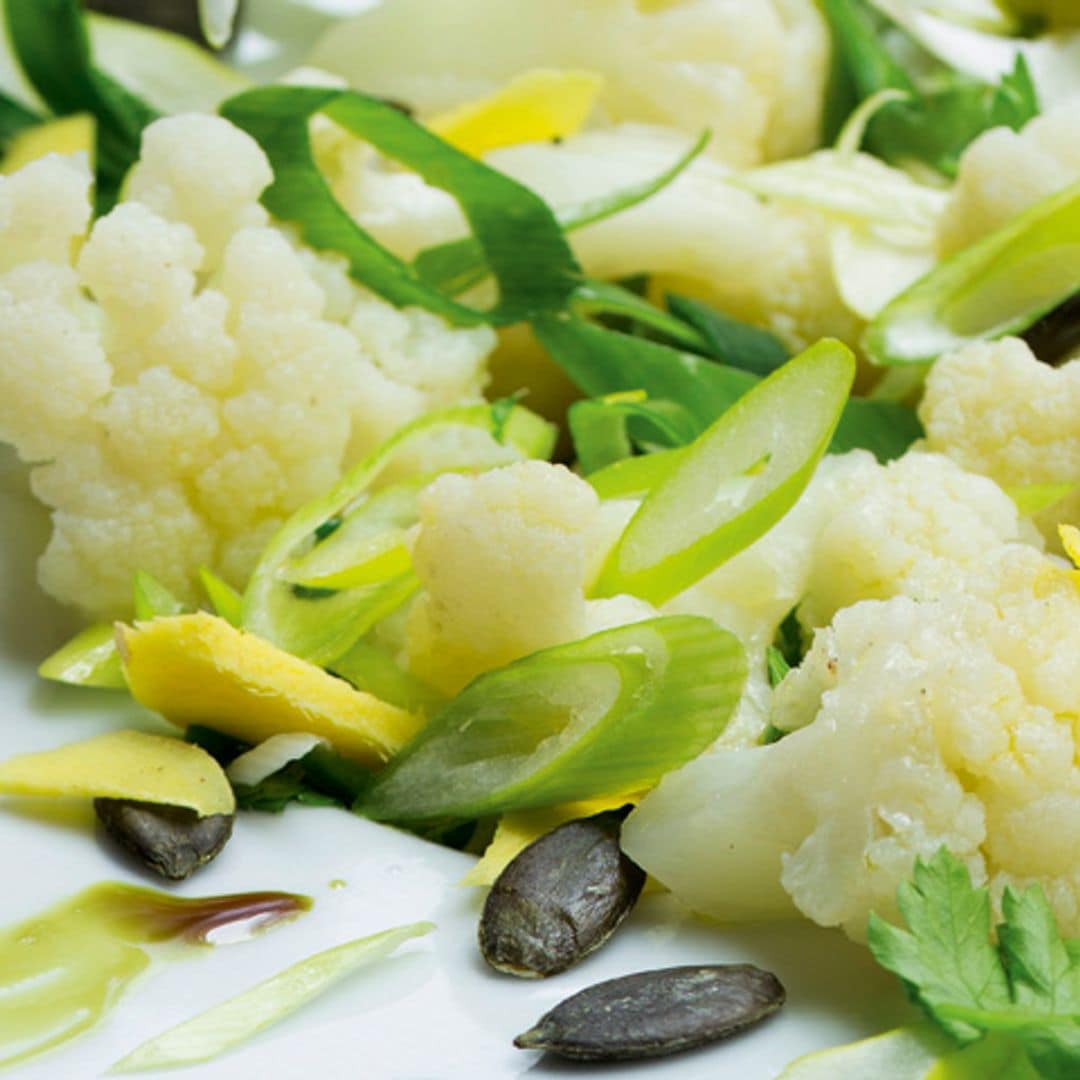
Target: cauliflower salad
<point>525,409</point>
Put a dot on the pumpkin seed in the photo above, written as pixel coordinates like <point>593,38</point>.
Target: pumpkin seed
<point>173,841</point>
<point>654,1013</point>
<point>560,898</point>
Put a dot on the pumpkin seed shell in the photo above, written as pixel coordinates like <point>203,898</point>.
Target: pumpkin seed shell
<point>173,841</point>
<point>560,898</point>
<point>654,1013</point>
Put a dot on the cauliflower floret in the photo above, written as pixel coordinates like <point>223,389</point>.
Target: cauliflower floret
<point>197,374</point>
<point>917,723</point>
<point>204,172</point>
<point>140,269</point>
<point>762,263</point>
<point>502,557</point>
<point>918,519</point>
<point>998,411</point>
<point>1004,172</point>
<point>52,367</point>
<point>44,211</point>
<point>753,73</point>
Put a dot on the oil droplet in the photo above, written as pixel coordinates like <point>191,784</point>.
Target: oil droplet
<point>338,883</point>
<point>60,971</point>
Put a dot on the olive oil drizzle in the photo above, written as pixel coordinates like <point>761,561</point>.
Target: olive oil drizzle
<point>62,970</point>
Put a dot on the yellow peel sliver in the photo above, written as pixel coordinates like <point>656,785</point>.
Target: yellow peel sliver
<point>197,669</point>
<point>541,104</point>
<point>124,765</point>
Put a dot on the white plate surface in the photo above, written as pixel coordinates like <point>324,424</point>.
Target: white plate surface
<point>433,1010</point>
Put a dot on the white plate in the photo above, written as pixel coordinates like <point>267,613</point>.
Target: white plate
<point>433,1010</point>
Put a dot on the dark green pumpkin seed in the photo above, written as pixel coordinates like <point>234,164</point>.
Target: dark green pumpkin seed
<point>173,841</point>
<point>560,898</point>
<point>654,1013</point>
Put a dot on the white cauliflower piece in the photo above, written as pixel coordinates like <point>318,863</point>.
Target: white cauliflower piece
<point>948,721</point>
<point>502,558</point>
<point>1003,172</point>
<point>202,171</point>
<point>753,73</point>
<point>139,268</point>
<point>53,368</point>
<point>188,374</point>
<point>759,262</point>
<point>996,410</point>
<point>917,519</point>
<point>44,211</point>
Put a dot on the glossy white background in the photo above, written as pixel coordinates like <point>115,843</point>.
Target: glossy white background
<point>431,1011</point>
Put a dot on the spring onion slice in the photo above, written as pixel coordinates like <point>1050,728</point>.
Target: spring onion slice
<point>321,623</point>
<point>224,1026</point>
<point>906,1053</point>
<point>88,659</point>
<point>224,599</point>
<point>635,477</point>
<point>609,713</point>
<point>458,265</point>
<point>517,232</point>
<point>998,286</point>
<point>737,479</point>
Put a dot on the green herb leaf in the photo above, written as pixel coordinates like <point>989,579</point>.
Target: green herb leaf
<point>602,361</point>
<point>607,714</point>
<point>458,265</point>
<point>15,117</point>
<point>521,241</point>
<point>367,667</point>
<point>1027,987</point>
<point>728,340</point>
<point>946,957</point>
<point>943,116</point>
<point>998,286</point>
<point>50,41</point>
<point>236,1020</point>
<point>737,479</point>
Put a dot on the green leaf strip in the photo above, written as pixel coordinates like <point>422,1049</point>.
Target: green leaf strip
<point>521,241</point>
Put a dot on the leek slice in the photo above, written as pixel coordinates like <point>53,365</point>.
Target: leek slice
<point>224,599</point>
<point>91,658</point>
<point>998,286</point>
<point>88,659</point>
<point>374,671</point>
<point>321,622</point>
<point>906,1053</point>
<point>635,477</point>
<point>239,1018</point>
<point>737,479</point>
<point>520,238</point>
<point>610,713</point>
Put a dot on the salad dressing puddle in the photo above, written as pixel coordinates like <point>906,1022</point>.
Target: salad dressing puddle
<point>62,970</point>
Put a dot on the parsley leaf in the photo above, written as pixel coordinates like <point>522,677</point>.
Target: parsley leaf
<point>1026,987</point>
